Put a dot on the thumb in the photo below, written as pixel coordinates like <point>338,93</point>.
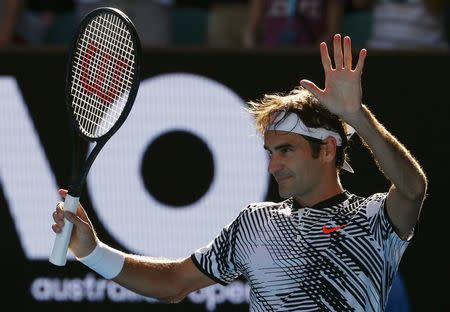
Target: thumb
<point>311,87</point>
<point>82,215</point>
<point>77,221</point>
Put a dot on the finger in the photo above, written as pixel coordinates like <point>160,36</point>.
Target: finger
<point>62,193</point>
<point>362,57</point>
<point>58,213</point>
<point>60,223</point>
<point>325,56</point>
<point>337,50</point>
<point>58,217</point>
<point>80,210</point>
<point>59,206</point>
<point>348,53</point>
<point>55,216</point>
<point>311,87</point>
<point>56,228</point>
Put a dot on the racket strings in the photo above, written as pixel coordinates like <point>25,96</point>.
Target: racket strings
<point>102,74</point>
<point>108,32</point>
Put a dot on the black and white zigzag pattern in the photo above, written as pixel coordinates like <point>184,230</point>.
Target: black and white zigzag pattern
<point>293,265</point>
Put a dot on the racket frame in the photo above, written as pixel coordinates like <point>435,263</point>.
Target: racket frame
<point>80,172</point>
<point>80,164</point>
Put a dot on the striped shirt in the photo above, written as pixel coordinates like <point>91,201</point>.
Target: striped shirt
<point>340,255</point>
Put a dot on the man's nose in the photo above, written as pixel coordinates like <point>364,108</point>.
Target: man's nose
<point>274,165</point>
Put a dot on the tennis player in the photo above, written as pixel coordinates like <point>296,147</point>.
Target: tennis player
<point>323,248</point>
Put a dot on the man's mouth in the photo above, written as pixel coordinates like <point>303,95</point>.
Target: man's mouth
<point>282,179</point>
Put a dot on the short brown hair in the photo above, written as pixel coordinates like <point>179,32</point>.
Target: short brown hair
<point>308,108</point>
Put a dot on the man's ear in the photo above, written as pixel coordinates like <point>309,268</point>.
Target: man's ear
<point>328,149</point>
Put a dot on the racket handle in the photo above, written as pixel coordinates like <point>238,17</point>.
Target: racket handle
<point>62,239</point>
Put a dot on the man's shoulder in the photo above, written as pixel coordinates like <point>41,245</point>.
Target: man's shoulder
<point>266,205</point>
<point>264,210</point>
<point>370,203</point>
<point>375,197</point>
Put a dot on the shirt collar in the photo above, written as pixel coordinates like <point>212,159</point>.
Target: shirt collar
<point>333,201</point>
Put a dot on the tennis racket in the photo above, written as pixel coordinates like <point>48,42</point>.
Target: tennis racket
<point>102,81</point>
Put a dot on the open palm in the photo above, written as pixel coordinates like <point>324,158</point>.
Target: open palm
<point>342,94</point>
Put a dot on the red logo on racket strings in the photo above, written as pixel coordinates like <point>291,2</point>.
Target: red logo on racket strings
<point>106,90</point>
<point>329,230</point>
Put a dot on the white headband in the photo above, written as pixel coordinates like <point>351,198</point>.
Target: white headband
<point>292,123</point>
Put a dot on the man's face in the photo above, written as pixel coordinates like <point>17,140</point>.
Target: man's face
<point>291,163</point>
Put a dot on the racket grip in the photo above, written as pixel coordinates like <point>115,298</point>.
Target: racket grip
<point>62,239</point>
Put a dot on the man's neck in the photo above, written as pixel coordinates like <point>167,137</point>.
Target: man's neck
<point>320,193</point>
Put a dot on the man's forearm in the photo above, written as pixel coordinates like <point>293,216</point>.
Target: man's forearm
<point>152,277</point>
<point>393,159</point>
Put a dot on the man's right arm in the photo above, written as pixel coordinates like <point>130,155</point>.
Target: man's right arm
<point>166,280</point>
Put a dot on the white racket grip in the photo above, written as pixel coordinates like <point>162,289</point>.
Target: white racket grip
<point>62,239</point>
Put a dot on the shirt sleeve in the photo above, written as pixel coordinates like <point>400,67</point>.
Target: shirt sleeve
<point>217,259</point>
<point>383,229</point>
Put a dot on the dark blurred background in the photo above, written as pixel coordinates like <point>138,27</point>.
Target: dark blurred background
<point>222,43</point>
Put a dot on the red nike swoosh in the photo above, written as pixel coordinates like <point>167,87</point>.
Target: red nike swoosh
<point>329,230</point>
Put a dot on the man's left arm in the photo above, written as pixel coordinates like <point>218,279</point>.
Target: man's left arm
<point>409,183</point>
<point>342,95</point>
